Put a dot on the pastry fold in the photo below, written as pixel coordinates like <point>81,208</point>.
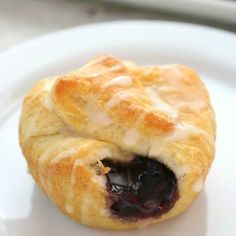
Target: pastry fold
<point>115,109</point>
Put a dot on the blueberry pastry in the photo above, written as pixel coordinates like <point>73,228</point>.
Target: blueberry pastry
<point>119,146</point>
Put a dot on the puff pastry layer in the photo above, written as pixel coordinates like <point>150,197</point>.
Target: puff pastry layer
<point>114,110</point>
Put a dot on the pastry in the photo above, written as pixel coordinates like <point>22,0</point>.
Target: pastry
<point>119,146</point>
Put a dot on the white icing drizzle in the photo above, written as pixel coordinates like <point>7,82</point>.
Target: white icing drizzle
<point>46,178</point>
<point>131,137</point>
<point>57,158</point>
<point>48,84</point>
<point>120,81</point>
<point>167,88</point>
<point>198,185</point>
<point>31,128</point>
<point>119,96</point>
<point>43,175</point>
<point>175,73</point>
<point>157,148</point>
<point>47,102</point>
<point>63,155</point>
<point>99,179</point>
<point>69,208</point>
<point>103,212</point>
<point>45,156</point>
<point>160,104</point>
<point>96,116</point>
<point>70,193</point>
<point>183,131</point>
<point>99,73</point>
<point>49,179</point>
<point>182,170</point>
<point>195,105</point>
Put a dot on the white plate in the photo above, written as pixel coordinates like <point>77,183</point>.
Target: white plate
<point>25,210</point>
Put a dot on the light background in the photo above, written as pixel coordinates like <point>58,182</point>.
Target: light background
<point>21,20</point>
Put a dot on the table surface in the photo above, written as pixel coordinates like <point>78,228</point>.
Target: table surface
<point>21,20</point>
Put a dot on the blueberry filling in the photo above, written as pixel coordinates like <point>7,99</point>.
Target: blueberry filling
<point>140,188</point>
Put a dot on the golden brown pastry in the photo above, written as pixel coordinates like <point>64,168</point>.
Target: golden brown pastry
<point>118,146</point>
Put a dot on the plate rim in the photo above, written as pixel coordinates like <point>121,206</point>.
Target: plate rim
<point>56,33</point>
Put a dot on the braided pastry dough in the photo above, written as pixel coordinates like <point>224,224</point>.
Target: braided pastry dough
<point>119,146</point>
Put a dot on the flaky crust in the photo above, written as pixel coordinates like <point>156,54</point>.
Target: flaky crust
<point>114,109</point>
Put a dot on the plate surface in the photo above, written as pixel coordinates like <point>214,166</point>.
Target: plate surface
<point>26,211</point>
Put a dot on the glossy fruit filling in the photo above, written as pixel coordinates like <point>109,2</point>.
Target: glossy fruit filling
<point>140,188</point>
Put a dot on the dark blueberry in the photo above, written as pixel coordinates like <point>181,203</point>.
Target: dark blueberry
<point>140,188</point>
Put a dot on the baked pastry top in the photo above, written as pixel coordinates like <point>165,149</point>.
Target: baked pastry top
<point>119,146</point>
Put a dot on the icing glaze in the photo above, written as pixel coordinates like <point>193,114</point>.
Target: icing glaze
<point>97,116</point>
<point>182,170</point>
<point>160,104</point>
<point>63,155</point>
<point>121,95</point>
<point>198,185</point>
<point>47,102</point>
<point>70,191</point>
<point>184,131</point>
<point>119,81</point>
<point>48,84</point>
<point>69,208</point>
<point>131,137</point>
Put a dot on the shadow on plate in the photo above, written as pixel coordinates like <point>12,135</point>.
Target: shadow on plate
<point>45,219</point>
